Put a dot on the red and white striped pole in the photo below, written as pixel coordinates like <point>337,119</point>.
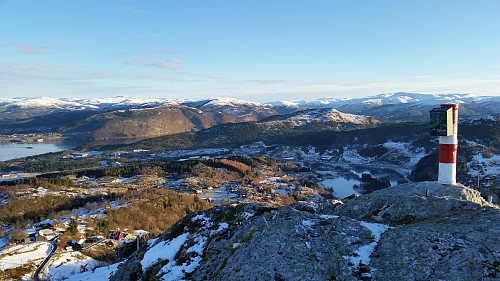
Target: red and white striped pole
<point>448,151</point>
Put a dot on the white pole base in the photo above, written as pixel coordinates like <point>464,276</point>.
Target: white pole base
<point>447,173</point>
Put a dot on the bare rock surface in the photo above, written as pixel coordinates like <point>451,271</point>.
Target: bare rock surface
<point>397,233</point>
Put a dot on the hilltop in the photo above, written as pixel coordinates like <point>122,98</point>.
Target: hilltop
<point>392,234</point>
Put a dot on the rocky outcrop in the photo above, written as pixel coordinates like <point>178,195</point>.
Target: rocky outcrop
<point>397,233</point>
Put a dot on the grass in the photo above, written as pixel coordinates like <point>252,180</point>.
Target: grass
<point>247,239</point>
<point>17,273</point>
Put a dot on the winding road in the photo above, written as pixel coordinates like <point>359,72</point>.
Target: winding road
<point>42,266</point>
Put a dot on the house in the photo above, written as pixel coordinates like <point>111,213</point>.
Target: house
<point>115,235</point>
<point>80,154</point>
<point>32,234</point>
<point>94,238</point>
<point>118,235</point>
<point>45,234</point>
<point>76,244</point>
<point>141,233</point>
<point>85,154</point>
<point>51,223</point>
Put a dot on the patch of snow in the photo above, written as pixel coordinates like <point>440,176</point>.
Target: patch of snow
<point>364,252</point>
<point>283,103</point>
<point>116,205</point>
<point>172,271</point>
<point>328,217</point>
<point>65,265</point>
<point>222,226</point>
<point>229,102</point>
<point>376,229</point>
<point>405,149</point>
<point>152,241</point>
<point>121,180</point>
<point>247,215</point>
<point>308,223</point>
<point>485,166</point>
<point>164,250</point>
<point>200,217</point>
<point>373,102</point>
<point>100,273</point>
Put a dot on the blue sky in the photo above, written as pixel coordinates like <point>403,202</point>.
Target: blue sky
<point>259,50</point>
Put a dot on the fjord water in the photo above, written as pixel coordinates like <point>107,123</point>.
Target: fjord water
<point>10,151</point>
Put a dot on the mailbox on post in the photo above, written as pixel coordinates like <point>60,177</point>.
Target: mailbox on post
<point>441,121</point>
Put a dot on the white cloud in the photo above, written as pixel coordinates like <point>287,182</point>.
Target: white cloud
<point>53,80</point>
<point>29,49</point>
<point>151,58</point>
<point>165,64</point>
<point>418,84</point>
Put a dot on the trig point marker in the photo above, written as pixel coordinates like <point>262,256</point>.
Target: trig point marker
<point>444,123</point>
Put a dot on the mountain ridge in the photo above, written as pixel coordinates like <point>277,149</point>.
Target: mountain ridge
<point>19,115</point>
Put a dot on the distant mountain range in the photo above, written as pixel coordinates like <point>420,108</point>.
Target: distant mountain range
<point>127,117</point>
<point>401,107</point>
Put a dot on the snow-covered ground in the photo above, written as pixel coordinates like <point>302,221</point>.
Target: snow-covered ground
<point>18,255</point>
<point>490,164</point>
<point>99,273</point>
<point>167,250</point>
<point>65,265</point>
<point>406,149</point>
<point>164,250</point>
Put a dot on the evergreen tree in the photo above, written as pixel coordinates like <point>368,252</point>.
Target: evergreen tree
<point>73,226</point>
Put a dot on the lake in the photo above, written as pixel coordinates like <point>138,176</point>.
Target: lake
<point>341,187</point>
<point>10,151</point>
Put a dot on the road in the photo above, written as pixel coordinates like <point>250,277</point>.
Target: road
<point>44,263</point>
<point>42,266</point>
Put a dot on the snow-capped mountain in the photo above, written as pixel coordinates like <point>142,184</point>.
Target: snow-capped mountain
<point>321,115</point>
<point>51,114</point>
<point>402,106</point>
<point>73,103</point>
<point>389,99</point>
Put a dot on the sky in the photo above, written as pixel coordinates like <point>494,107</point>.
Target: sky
<point>256,50</point>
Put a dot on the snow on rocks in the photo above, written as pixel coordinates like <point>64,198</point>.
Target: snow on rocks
<point>173,271</point>
<point>247,215</point>
<point>182,254</point>
<point>328,216</point>
<point>363,253</point>
<point>405,148</point>
<point>163,250</point>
